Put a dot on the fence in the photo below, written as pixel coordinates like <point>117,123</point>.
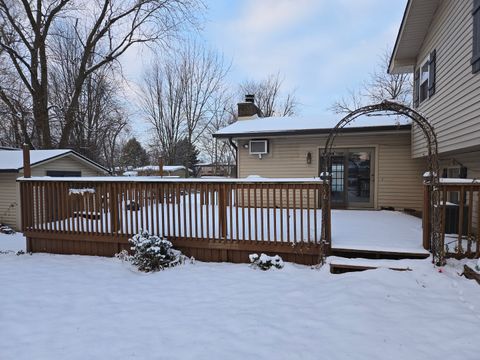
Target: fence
<point>459,214</point>
<point>214,220</point>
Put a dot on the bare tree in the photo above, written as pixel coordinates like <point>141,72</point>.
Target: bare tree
<point>269,98</point>
<point>202,73</point>
<point>106,28</point>
<point>100,115</point>
<point>162,104</point>
<point>380,86</point>
<point>383,85</point>
<point>179,97</point>
<point>219,152</point>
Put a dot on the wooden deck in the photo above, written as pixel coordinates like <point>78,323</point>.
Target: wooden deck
<point>222,220</point>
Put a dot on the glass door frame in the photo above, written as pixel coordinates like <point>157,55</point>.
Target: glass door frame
<point>345,151</point>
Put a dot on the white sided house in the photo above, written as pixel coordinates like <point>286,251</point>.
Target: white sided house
<point>178,171</point>
<point>372,167</point>
<point>54,163</point>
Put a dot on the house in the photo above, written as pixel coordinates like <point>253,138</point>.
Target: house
<point>439,42</point>
<point>55,163</point>
<point>212,169</point>
<point>153,170</point>
<point>372,167</point>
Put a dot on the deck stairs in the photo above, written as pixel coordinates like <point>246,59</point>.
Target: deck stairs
<point>350,260</point>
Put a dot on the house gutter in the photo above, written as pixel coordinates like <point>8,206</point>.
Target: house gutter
<point>370,129</point>
<point>230,141</point>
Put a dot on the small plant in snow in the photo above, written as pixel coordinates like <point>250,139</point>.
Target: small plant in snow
<point>265,262</point>
<point>152,253</point>
<point>477,267</point>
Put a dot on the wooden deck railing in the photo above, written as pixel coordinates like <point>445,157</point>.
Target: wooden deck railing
<point>459,214</point>
<point>221,215</point>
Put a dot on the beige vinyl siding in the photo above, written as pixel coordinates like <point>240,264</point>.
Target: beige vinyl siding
<point>454,109</point>
<point>9,191</point>
<point>8,199</point>
<point>398,176</point>
<point>66,163</point>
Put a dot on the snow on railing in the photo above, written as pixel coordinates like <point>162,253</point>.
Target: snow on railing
<point>152,179</point>
<point>81,191</point>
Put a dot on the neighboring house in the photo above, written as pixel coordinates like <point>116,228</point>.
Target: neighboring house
<point>55,163</point>
<point>153,170</point>
<point>210,169</point>
<point>372,166</point>
<point>439,42</point>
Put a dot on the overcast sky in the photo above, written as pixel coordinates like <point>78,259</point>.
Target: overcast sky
<point>320,47</point>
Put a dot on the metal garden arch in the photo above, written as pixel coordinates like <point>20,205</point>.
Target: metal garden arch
<point>431,177</point>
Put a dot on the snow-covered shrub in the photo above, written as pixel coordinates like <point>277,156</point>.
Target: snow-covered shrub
<point>152,253</point>
<point>265,262</point>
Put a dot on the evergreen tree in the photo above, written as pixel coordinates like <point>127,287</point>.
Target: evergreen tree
<point>186,154</point>
<point>133,154</point>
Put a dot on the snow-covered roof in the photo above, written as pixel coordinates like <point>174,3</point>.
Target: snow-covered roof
<point>156,167</point>
<point>305,125</point>
<point>12,160</point>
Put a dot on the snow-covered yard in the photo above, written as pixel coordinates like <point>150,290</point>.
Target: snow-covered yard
<point>79,307</point>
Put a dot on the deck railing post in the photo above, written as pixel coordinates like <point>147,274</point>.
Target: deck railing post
<point>426,222</point>
<point>113,205</point>
<point>329,228</point>
<point>222,211</point>
<point>27,171</point>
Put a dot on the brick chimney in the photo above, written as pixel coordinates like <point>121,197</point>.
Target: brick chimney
<point>248,109</point>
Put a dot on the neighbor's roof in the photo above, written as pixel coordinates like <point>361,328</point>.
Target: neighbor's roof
<point>276,126</point>
<point>12,160</point>
<point>156,167</point>
<point>416,21</point>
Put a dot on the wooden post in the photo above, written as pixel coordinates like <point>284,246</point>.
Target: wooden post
<point>222,211</point>
<point>27,171</point>
<point>426,216</point>
<point>328,233</point>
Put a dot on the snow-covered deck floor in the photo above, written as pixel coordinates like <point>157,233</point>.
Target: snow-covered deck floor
<point>386,231</point>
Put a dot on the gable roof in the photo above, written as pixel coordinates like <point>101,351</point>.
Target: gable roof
<point>416,21</point>
<point>276,126</point>
<point>12,160</point>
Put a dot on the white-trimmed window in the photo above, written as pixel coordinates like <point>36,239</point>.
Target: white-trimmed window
<point>424,79</point>
<point>423,83</point>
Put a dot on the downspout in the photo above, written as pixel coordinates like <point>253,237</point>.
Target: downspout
<point>230,141</point>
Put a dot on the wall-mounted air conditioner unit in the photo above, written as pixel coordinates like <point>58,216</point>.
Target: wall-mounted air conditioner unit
<point>258,147</point>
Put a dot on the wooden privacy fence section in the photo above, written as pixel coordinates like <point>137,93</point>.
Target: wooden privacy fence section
<point>459,214</point>
<point>215,220</point>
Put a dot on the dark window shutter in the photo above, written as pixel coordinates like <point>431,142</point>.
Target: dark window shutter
<point>416,93</point>
<point>432,71</point>
<point>476,37</point>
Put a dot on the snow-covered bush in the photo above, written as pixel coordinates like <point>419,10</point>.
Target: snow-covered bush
<point>265,262</point>
<point>152,253</point>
